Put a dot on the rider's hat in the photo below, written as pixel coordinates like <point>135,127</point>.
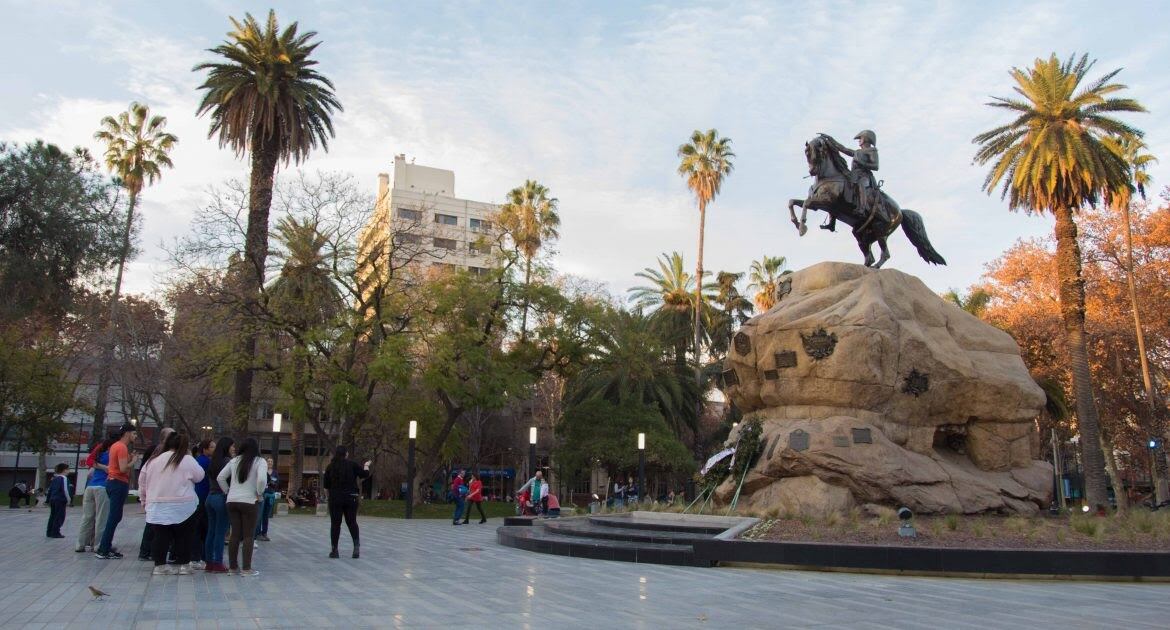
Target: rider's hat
<point>867,135</point>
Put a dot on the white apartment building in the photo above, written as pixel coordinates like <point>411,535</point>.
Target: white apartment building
<point>418,207</point>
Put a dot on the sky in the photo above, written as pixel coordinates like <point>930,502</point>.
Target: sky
<point>593,99</point>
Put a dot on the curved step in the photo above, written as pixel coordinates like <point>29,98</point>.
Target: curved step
<point>629,522</point>
<point>541,540</point>
<point>586,529</point>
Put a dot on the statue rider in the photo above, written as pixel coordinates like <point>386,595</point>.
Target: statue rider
<point>865,162</point>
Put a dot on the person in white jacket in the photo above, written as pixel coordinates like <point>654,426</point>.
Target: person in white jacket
<point>167,487</point>
<point>244,478</point>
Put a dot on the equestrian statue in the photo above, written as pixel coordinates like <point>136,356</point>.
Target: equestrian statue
<point>854,197</point>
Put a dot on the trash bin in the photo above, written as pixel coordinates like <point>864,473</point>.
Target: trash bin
<point>595,507</point>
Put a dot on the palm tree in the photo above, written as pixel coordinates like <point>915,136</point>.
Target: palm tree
<point>629,365</point>
<point>265,99</point>
<point>530,217</point>
<point>764,278</point>
<point>304,298</point>
<point>705,162</point>
<point>1133,151</point>
<point>734,310</point>
<point>670,295</point>
<point>1054,158</point>
<point>137,149</point>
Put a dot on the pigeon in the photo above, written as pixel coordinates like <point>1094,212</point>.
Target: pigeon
<point>98,593</point>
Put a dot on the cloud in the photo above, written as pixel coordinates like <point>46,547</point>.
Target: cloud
<point>594,102</point>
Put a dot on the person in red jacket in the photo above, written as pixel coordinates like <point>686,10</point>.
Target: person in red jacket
<point>475,497</point>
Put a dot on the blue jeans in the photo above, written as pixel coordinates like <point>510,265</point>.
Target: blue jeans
<point>265,512</point>
<point>116,491</point>
<point>217,526</point>
<point>458,509</point>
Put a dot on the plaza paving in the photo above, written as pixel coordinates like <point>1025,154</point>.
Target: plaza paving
<point>428,574</point>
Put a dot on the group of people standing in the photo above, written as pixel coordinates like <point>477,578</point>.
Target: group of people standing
<point>191,495</point>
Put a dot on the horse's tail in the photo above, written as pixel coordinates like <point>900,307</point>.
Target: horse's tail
<point>915,231</point>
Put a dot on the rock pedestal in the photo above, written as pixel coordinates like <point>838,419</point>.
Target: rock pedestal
<point>870,388</point>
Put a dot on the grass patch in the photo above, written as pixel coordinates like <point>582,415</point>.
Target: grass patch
<point>952,522</point>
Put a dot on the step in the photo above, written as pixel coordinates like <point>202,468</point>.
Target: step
<point>583,528</point>
<point>629,522</point>
<point>542,540</point>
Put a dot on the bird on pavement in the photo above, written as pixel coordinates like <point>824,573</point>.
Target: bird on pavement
<point>98,593</point>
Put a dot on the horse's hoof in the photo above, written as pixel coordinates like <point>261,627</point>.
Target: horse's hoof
<point>803,229</point>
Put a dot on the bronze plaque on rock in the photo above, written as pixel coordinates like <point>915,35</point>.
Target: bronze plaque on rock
<point>840,441</point>
<point>785,359</point>
<point>862,436</point>
<point>820,344</point>
<point>798,440</point>
<point>743,343</point>
<point>771,375</point>
<point>730,378</point>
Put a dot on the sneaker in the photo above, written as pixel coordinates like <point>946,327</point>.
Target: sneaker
<point>162,569</point>
<point>109,555</point>
<point>199,565</point>
<point>262,537</point>
<point>249,573</point>
<point>355,554</point>
<point>216,567</point>
<point>334,554</point>
<point>81,549</point>
<point>232,571</point>
<point>481,522</point>
<point>184,569</point>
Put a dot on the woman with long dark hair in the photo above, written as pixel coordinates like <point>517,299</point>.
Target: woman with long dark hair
<point>245,478</point>
<point>167,488</point>
<point>216,506</point>
<point>341,480</point>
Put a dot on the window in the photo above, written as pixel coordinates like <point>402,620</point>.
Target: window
<point>446,219</point>
<point>478,247</point>
<point>480,225</point>
<point>478,271</point>
<point>444,267</point>
<point>407,239</point>
<point>410,215</point>
<point>446,243</point>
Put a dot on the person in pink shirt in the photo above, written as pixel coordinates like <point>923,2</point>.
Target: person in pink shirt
<point>167,487</point>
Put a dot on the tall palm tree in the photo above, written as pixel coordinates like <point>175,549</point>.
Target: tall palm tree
<point>764,277</point>
<point>265,99</point>
<point>530,217</point>
<point>670,295</point>
<point>137,149</point>
<point>1133,151</point>
<point>1053,157</point>
<point>734,310</point>
<point>704,162</point>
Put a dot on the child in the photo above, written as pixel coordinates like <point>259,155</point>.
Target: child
<point>59,497</point>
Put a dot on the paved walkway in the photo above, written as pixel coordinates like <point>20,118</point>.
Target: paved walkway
<point>428,574</point>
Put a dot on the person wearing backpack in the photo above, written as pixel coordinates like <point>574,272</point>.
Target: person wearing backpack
<point>245,478</point>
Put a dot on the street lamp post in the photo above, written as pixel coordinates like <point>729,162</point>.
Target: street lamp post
<point>276,420</point>
<point>531,452</point>
<point>412,433</point>
<point>641,466</point>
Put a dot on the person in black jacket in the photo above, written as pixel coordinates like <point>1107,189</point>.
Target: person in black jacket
<point>59,497</point>
<point>341,480</point>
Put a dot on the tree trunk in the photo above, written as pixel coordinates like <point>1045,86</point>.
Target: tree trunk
<point>99,406</point>
<point>699,296</point>
<point>39,482</point>
<point>1156,424</point>
<point>1072,311</point>
<point>524,314</point>
<point>1114,476</point>
<point>297,439</point>
<point>264,159</point>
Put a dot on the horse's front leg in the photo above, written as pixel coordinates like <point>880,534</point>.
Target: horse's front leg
<point>800,225</point>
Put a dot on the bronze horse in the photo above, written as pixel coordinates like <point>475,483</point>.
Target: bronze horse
<point>831,192</point>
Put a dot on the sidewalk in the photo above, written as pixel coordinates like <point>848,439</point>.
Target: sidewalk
<point>429,574</point>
